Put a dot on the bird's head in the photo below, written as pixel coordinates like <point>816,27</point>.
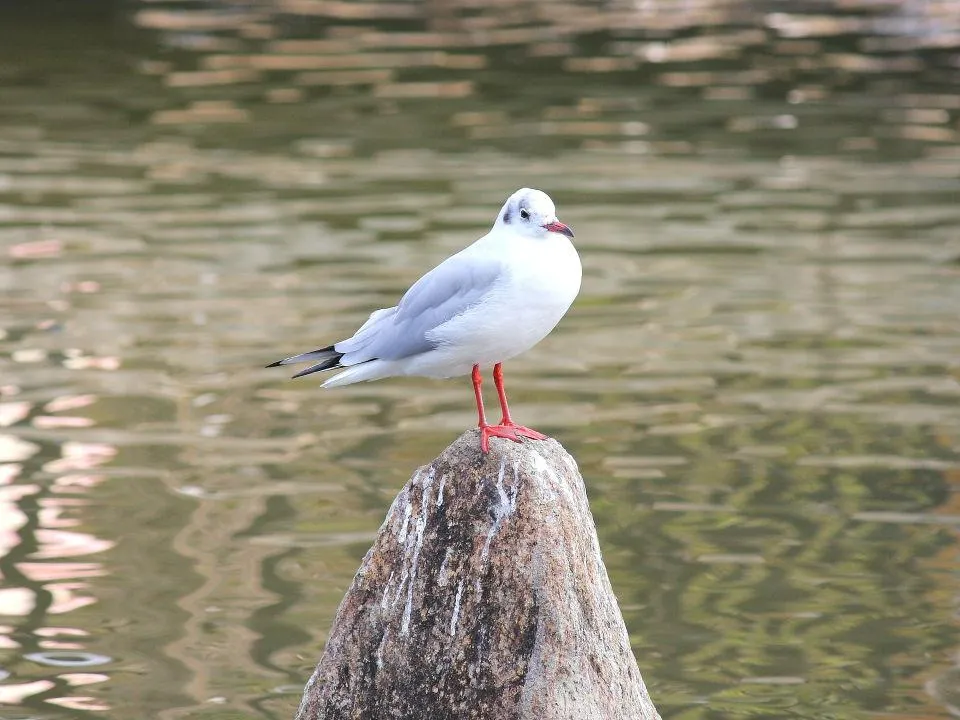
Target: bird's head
<point>532,213</point>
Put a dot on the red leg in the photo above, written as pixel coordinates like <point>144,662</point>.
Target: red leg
<point>502,394</point>
<point>507,427</point>
<point>477,382</point>
<point>481,416</point>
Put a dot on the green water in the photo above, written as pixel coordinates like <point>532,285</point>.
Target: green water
<point>760,379</point>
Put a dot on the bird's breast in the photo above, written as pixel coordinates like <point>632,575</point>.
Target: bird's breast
<point>534,294</point>
<point>546,278</point>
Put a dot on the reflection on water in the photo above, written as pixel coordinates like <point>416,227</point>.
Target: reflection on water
<point>759,380</point>
<point>46,560</point>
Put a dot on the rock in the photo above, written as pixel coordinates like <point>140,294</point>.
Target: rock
<point>484,597</point>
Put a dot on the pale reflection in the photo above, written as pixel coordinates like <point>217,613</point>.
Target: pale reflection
<point>78,361</point>
<point>80,456</point>
<point>13,412</point>
<point>35,249</point>
<point>49,422</point>
<point>42,572</point>
<point>80,702</point>
<point>61,543</point>
<point>77,679</point>
<point>16,693</point>
<point>16,601</point>
<point>55,632</point>
<point>55,537</point>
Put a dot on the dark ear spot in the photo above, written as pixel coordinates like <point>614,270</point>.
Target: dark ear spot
<point>506,217</point>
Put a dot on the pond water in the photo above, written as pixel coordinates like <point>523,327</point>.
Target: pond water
<point>760,379</point>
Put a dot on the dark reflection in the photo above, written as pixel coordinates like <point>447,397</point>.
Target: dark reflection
<point>758,380</point>
<point>543,76</point>
<point>275,633</point>
<point>784,585</point>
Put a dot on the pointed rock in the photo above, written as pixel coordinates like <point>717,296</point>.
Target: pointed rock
<point>484,597</point>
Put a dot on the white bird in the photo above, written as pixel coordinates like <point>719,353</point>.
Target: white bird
<point>488,303</point>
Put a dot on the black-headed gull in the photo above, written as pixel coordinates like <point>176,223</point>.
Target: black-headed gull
<point>488,303</point>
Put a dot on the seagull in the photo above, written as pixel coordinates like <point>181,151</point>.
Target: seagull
<point>486,304</point>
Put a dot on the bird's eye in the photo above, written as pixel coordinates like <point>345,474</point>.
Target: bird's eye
<point>524,214</point>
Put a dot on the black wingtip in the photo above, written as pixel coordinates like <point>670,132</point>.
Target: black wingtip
<point>308,371</point>
<point>328,357</point>
<point>327,364</point>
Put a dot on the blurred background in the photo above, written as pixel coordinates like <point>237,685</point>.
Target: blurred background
<point>760,379</point>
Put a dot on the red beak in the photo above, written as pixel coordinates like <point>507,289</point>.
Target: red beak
<point>559,227</point>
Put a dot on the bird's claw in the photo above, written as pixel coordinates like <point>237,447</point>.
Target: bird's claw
<point>508,431</point>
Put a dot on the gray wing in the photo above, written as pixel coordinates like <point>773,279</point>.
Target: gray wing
<point>452,287</point>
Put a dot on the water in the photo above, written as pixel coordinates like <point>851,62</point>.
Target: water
<point>759,380</point>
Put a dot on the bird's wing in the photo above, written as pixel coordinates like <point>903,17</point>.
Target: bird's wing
<point>455,285</point>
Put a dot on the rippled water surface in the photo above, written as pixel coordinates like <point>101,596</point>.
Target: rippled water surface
<point>760,378</point>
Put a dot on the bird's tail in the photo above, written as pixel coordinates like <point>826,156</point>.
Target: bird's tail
<point>328,358</point>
